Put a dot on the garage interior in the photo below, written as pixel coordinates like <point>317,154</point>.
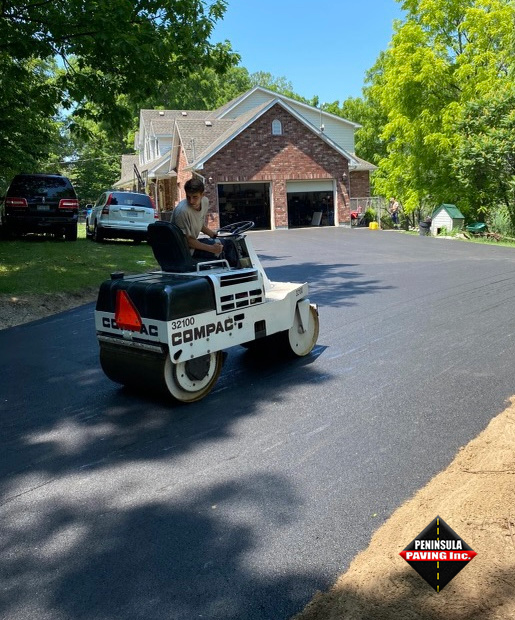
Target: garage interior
<point>310,209</point>
<point>245,201</point>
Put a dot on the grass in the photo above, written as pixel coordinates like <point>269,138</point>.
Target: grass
<point>39,264</point>
<point>504,241</point>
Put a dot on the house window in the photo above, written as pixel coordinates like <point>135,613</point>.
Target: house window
<point>277,128</point>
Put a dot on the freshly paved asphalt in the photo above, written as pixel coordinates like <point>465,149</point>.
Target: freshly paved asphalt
<point>114,505</point>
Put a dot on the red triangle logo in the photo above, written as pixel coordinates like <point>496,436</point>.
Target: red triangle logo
<point>126,314</point>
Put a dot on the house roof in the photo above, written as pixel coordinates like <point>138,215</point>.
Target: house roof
<point>203,133</point>
<point>226,108</point>
<point>240,123</point>
<point>198,136</point>
<point>452,211</point>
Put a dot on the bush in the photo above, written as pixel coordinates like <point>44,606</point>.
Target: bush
<point>499,222</point>
<point>370,216</point>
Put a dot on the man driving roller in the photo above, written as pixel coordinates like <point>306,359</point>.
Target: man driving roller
<point>190,216</point>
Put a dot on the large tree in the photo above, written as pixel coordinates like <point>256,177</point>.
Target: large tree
<point>102,49</point>
<point>485,160</point>
<point>444,55</point>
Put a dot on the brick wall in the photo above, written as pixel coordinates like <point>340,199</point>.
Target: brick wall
<point>258,156</point>
<point>360,184</point>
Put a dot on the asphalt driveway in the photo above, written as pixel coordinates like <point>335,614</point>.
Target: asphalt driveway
<point>115,505</point>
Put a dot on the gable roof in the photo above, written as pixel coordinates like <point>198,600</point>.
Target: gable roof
<point>202,133</point>
<point>452,210</point>
<point>229,106</point>
<point>196,136</point>
<point>239,124</point>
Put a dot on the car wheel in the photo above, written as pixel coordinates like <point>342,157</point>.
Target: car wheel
<point>98,235</point>
<point>70,233</point>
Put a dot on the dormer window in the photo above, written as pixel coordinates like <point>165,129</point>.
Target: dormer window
<point>277,127</point>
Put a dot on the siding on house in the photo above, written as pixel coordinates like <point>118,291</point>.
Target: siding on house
<point>335,128</point>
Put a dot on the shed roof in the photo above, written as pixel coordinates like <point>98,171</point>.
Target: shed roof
<point>452,211</point>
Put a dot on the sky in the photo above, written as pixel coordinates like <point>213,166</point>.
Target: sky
<point>322,47</point>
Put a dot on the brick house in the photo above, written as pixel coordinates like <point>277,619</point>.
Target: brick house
<point>262,156</point>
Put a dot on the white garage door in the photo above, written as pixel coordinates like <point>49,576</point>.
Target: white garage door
<point>300,187</point>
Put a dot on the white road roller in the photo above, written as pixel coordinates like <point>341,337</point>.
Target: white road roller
<point>166,330</point>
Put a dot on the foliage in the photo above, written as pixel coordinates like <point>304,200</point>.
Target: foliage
<point>29,132</point>
<point>106,45</point>
<point>485,162</point>
<point>499,221</point>
<point>91,58</point>
<point>95,164</point>
<point>444,56</point>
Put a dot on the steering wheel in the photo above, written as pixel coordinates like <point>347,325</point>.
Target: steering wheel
<point>231,230</point>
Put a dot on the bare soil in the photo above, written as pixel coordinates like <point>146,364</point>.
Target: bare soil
<point>16,310</point>
<point>475,496</point>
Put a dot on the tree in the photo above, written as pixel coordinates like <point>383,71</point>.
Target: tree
<point>485,161</point>
<point>109,47</point>
<point>204,89</point>
<point>29,131</point>
<point>446,54</point>
<point>82,55</point>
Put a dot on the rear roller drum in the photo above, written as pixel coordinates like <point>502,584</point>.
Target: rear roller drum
<point>186,382</point>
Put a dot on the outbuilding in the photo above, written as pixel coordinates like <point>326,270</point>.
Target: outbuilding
<point>446,216</point>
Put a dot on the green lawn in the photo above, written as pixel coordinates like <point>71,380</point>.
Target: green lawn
<point>41,264</point>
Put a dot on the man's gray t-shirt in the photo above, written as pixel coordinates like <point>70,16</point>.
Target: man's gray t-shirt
<point>189,220</point>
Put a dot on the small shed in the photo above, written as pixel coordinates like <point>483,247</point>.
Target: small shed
<point>448,217</point>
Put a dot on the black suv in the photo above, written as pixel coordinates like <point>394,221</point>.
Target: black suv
<point>39,203</point>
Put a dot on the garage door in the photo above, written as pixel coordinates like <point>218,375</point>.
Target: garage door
<point>301,187</point>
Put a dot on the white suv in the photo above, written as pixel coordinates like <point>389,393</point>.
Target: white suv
<point>121,215</point>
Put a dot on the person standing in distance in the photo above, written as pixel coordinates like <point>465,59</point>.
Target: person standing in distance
<point>394,212</point>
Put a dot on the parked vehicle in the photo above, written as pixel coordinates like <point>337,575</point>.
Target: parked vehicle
<point>120,215</point>
<point>41,203</point>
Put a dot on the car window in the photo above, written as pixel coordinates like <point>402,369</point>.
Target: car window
<point>49,187</point>
<point>131,200</point>
<point>101,200</point>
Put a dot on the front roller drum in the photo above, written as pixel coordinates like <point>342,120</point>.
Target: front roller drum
<point>185,382</point>
<point>300,340</point>
<point>297,341</point>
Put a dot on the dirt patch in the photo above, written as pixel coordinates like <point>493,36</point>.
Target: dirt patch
<point>475,496</point>
<point>16,310</point>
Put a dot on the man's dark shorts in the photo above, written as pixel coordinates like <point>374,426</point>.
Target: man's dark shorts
<point>229,252</point>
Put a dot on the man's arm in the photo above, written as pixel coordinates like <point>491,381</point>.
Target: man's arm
<point>196,244</point>
<point>207,231</point>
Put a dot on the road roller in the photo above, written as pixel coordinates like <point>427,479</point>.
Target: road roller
<point>167,330</point>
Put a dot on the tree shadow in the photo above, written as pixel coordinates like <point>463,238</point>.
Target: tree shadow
<point>101,513</point>
<point>332,285</point>
<point>98,513</point>
<point>91,552</point>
